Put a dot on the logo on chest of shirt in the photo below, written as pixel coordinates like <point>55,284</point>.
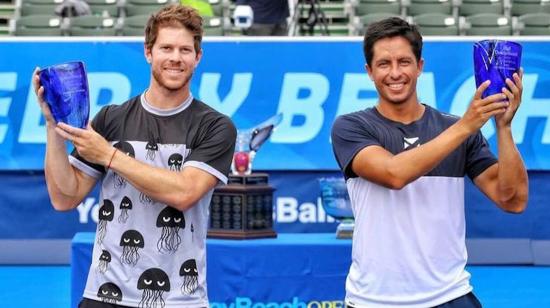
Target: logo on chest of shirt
<point>410,142</point>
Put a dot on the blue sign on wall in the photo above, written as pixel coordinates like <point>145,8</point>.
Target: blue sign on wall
<point>27,213</point>
<point>309,81</point>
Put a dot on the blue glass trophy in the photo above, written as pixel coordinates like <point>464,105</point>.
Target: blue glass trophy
<point>66,93</point>
<point>496,60</point>
<point>336,203</point>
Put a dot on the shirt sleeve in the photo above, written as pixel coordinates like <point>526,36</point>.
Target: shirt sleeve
<point>478,156</point>
<point>349,136</point>
<point>93,170</point>
<point>213,150</point>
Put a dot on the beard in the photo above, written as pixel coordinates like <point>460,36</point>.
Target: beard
<point>174,86</point>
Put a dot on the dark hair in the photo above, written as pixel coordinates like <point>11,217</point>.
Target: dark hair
<point>391,27</point>
<point>174,15</point>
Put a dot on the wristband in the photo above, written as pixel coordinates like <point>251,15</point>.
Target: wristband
<point>111,160</point>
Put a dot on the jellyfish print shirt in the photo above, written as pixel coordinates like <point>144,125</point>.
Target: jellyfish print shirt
<point>146,253</point>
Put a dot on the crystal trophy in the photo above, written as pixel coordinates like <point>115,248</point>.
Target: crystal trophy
<point>336,203</point>
<point>66,93</point>
<point>495,60</point>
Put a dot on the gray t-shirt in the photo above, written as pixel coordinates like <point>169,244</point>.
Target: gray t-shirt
<point>146,253</point>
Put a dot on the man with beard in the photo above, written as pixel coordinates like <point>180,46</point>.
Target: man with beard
<point>170,151</point>
<point>404,164</point>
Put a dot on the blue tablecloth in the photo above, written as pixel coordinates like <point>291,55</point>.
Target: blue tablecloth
<point>286,271</point>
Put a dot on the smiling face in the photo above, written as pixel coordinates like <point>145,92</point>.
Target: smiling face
<point>173,59</point>
<point>395,70</point>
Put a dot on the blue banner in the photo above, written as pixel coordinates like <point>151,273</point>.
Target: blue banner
<point>309,82</point>
<point>28,214</point>
<point>297,206</point>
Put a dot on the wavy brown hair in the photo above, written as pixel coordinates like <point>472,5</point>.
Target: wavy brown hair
<point>174,15</point>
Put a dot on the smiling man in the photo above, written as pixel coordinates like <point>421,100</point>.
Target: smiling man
<point>404,164</point>
<point>158,157</point>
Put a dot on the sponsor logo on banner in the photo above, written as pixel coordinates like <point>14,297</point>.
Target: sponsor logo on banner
<point>246,302</point>
<point>287,210</point>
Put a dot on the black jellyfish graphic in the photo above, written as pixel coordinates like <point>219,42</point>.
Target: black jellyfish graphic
<point>131,241</point>
<point>174,162</point>
<point>125,206</point>
<point>171,221</point>
<point>106,214</point>
<point>143,198</point>
<point>154,282</point>
<point>127,149</point>
<point>104,261</point>
<point>109,293</point>
<point>188,271</point>
<point>151,147</point>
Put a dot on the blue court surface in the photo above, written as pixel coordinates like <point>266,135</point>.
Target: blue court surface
<point>496,286</point>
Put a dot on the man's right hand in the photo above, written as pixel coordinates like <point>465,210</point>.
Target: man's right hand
<point>481,110</point>
<point>39,91</point>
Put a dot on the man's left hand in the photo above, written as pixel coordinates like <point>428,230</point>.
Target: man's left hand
<point>514,99</point>
<point>88,143</point>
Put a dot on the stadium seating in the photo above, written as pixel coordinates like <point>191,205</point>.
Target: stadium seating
<point>332,18</point>
<point>7,10</point>
<point>437,24</point>
<point>217,7</point>
<point>534,24</point>
<point>105,8</point>
<point>522,7</point>
<point>39,7</point>
<point>418,7</point>
<point>92,25</point>
<point>134,25</point>
<point>365,7</point>
<point>144,7</point>
<point>38,25</point>
<point>361,22</point>
<point>473,7</point>
<point>488,24</point>
<point>341,17</point>
<point>213,26</point>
